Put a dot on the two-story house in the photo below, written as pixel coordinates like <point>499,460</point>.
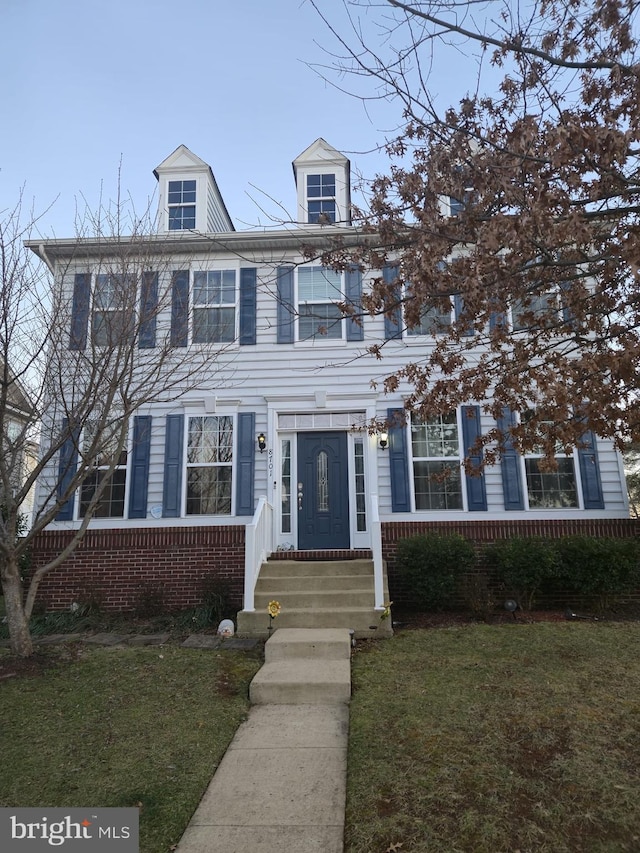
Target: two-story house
<point>274,457</point>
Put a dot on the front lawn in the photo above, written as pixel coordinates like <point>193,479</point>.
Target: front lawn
<point>141,727</point>
<point>488,739</point>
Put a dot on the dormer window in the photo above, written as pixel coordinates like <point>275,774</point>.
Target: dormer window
<point>181,201</point>
<point>321,198</point>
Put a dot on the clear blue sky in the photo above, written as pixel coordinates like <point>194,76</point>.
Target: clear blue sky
<point>88,84</point>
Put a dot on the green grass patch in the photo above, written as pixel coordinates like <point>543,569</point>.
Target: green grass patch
<point>142,727</point>
<point>486,739</point>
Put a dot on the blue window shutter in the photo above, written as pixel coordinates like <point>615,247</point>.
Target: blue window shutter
<point>511,469</point>
<point>590,472</point>
<point>286,310</point>
<point>139,469</point>
<point>172,487</point>
<point>398,462</point>
<point>248,305</point>
<point>67,464</point>
<point>476,487</point>
<point>148,310</point>
<point>458,303</point>
<point>353,293</point>
<point>393,320</point>
<point>80,310</point>
<point>245,463</point>
<point>179,308</point>
<point>497,320</point>
<point>567,313</point>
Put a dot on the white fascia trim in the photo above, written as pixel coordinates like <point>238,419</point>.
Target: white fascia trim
<point>156,524</point>
<point>336,401</point>
<point>521,515</point>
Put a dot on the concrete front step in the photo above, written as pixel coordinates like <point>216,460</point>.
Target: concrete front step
<point>304,667</point>
<point>310,583</point>
<point>299,682</point>
<point>363,621</point>
<point>297,568</point>
<point>312,643</point>
<point>296,600</point>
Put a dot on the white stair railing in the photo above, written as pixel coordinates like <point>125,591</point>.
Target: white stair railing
<point>257,547</point>
<point>376,550</point>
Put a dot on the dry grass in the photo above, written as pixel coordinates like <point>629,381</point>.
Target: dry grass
<point>483,739</point>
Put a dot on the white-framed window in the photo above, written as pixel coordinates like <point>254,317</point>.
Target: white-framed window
<point>535,311</point>
<point>435,319</point>
<point>359,484</point>
<point>321,198</point>
<point>437,463</point>
<point>14,430</point>
<point>547,488</point>
<point>286,480</point>
<point>111,502</point>
<point>181,203</point>
<point>209,465</point>
<point>319,292</point>
<point>112,316</point>
<point>214,296</point>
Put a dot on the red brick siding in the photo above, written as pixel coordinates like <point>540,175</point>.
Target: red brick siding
<point>114,566</point>
<point>483,532</point>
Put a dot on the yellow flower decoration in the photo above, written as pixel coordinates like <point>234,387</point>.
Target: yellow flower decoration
<point>274,609</point>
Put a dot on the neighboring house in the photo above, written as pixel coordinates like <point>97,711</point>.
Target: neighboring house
<point>19,450</point>
<point>275,454</point>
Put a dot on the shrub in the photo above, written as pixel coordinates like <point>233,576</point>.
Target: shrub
<point>601,569</point>
<point>149,601</point>
<point>215,597</point>
<point>477,594</point>
<point>524,565</point>
<point>431,566</point>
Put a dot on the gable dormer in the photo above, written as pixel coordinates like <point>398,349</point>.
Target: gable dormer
<point>189,198</point>
<point>322,177</point>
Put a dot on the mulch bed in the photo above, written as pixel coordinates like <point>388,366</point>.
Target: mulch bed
<point>406,619</point>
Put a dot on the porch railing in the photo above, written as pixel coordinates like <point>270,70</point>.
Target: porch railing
<point>376,550</point>
<point>257,547</point>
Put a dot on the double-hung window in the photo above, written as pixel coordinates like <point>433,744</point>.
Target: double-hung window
<point>437,473</point>
<point>319,315</point>
<point>113,315</point>
<point>214,307</point>
<point>181,202</point>
<point>321,198</point>
<point>209,465</point>
<point>109,457</point>
<point>536,311</point>
<point>551,489</point>
<point>436,318</point>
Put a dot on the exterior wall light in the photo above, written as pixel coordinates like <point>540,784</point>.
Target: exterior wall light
<point>262,442</point>
<point>383,440</point>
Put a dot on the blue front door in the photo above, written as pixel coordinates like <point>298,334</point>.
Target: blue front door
<point>323,491</point>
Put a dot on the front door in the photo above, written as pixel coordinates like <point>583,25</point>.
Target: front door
<point>323,491</point>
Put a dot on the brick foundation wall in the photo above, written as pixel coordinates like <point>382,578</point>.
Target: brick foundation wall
<point>116,567</point>
<point>484,532</point>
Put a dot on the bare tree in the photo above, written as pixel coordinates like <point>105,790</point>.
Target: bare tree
<point>519,205</point>
<point>80,357</point>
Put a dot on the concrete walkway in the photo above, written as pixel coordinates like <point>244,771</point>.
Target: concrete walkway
<point>282,783</point>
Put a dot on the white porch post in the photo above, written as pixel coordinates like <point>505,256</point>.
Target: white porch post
<point>376,550</point>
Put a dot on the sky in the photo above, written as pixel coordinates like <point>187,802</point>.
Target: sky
<point>97,93</point>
